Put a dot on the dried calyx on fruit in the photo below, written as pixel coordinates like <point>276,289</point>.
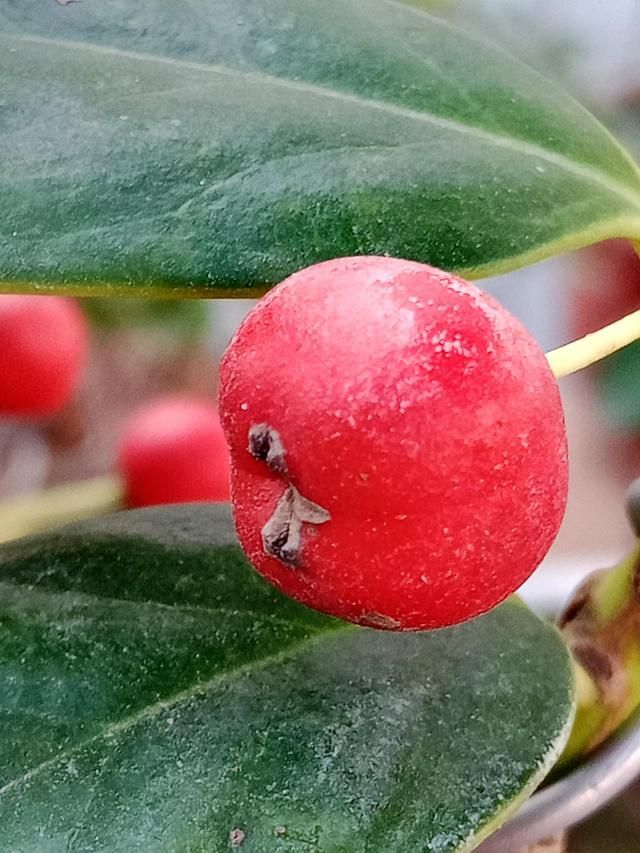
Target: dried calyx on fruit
<point>398,448</point>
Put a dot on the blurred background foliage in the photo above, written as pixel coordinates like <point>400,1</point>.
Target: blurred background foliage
<point>180,318</point>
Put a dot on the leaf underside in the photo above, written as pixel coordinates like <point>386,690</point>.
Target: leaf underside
<point>212,148</point>
<point>156,694</point>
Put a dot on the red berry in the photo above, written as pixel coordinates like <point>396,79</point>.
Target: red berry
<point>398,449</point>
<point>173,451</point>
<point>44,349</point>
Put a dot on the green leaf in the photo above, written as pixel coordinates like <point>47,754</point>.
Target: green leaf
<point>157,695</point>
<point>212,148</point>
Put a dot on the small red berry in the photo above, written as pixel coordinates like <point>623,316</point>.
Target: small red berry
<point>398,448</point>
<point>173,451</point>
<point>45,342</point>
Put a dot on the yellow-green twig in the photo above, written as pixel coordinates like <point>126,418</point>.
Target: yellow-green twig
<point>31,513</point>
<point>581,353</point>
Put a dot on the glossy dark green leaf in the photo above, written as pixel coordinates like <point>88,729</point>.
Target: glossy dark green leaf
<point>157,695</point>
<point>213,147</point>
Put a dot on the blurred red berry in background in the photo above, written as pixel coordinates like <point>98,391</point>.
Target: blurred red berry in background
<point>173,451</point>
<point>44,342</point>
<point>606,280</point>
<point>607,285</point>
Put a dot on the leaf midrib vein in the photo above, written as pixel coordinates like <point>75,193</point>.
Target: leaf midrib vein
<point>149,712</point>
<point>581,170</point>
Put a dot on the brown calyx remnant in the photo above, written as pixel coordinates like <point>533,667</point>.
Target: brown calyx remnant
<point>282,534</point>
<point>379,620</point>
<point>266,445</point>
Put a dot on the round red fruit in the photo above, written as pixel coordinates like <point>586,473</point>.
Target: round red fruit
<point>44,350</point>
<point>173,451</point>
<point>398,448</point>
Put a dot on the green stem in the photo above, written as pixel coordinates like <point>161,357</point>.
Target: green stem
<point>601,625</point>
<point>32,513</point>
